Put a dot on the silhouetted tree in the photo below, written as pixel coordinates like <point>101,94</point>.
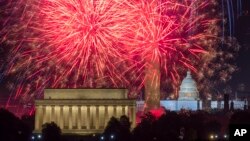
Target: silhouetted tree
<point>240,117</point>
<point>187,125</point>
<point>12,128</point>
<point>29,120</point>
<point>118,130</point>
<point>51,132</point>
<point>144,131</point>
<point>195,125</point>
<point>112,130</point>
<point>125,125</point>
<point>168,127</point>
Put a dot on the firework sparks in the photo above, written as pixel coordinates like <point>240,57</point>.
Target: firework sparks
<point>104,43</point>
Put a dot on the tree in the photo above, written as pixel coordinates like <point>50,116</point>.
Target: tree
<point>118,130</point>
<point>144,131</point>
<point>12,128</point>
<point>125,125</point>
<point>51,132</point>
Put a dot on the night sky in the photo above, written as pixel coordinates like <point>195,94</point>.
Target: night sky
<point>242,33</point>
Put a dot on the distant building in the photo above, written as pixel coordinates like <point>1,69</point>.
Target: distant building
<point>188,89</point>
<point>83,111</point>
<point>189,99</point>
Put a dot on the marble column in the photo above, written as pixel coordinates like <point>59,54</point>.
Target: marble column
<point>88,117</point>
<point>48,113</point>
<point>92,116</point>
<point>118,111</point>
<point>126,111</point>
<point>44,120</point>
<point>38,117</point>
<point>114,111</point>
<point>123,110</point>
<point>70,117</point>
<point>65,117</point>
<point>79,117</point>
<point>97,118</point>
<point>106,115</point>
<point>101,116</point>
<point>83,117</point>
<point>60,117</point>
<point>53,115</point>
<point>74,116</point>
<point>132,115</point>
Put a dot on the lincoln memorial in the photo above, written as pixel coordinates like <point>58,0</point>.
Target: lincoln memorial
<point>83,111</point>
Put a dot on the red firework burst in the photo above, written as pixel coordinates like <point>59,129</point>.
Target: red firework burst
<point>104,43</point>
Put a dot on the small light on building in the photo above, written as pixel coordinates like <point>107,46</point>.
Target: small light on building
<point>112,136</point>
<point>225,136</point>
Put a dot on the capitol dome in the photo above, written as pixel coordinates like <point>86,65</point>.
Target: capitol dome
<point>188,89</point>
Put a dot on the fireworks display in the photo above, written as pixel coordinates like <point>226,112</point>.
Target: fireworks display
<point>104,43</point>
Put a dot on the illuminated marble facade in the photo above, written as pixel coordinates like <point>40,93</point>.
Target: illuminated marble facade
<point>83,111</point>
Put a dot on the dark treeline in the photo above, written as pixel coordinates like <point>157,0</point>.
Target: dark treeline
<point>171,126</point>
<point>184,125</point>
<point>13,128</point>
